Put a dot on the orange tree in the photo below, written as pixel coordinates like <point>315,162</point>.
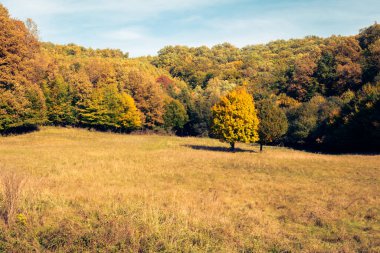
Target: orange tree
<point>21,99</point>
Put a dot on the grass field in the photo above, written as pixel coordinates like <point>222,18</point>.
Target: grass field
<point>104,192</point>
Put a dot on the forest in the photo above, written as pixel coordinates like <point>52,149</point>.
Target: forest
<point>324,92</point>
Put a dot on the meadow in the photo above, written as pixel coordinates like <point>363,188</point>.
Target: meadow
<point>85,191</point>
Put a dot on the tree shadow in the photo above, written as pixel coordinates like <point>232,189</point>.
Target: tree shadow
<point>26,129</point>
<point>219,149</point>
<point>333,151</point>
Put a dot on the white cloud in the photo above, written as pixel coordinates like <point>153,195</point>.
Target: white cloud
<point>124,34</point>
<point>130,24</point>
<point>134,8</point>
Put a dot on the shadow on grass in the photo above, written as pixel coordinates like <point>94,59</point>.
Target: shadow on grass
<point>371,151</point>
<point>219,149</point>
<point>20,130</point>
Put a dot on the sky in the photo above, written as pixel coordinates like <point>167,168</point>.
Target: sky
<point>143,27</point>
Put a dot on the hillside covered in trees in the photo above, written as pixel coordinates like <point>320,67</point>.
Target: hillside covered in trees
<point>325,92</point>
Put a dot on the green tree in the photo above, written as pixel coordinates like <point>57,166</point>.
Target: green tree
<point>175,116</point>
<point>304,120</point>
<point>309,122</point>
<point>235,119</point>
<point>357,128</point>
<point>94,111</point>
<point>108,109</point>
<point>273,122</point>
<point>369,39</point>
<point>59,98</point>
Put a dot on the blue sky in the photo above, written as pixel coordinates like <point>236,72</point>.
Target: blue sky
<point>142,27</point>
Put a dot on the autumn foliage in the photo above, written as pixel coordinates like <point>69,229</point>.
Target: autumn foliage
<point>322,85</point>
<point>21,99</point>
<point>234,118</point>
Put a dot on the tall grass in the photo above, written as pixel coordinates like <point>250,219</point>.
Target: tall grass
<point>11,191</point>
<point>104,192</point>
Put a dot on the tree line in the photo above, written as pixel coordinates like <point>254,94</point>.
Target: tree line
<point>320,93</point>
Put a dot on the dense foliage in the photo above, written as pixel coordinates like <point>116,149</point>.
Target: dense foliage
<point>235,119</point>
<point>21,99</point>
<point>328,88</point>
<point>273,122</point>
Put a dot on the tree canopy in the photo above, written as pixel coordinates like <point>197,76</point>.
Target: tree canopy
<point>273,122</point>
<point>327,87</point>
<point>234,118</point>
<point>21,102</point>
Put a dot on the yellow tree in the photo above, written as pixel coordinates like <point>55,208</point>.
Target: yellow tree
<point>130,117</point>
<point>235,119</point>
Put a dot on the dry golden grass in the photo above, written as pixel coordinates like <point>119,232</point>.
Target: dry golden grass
<point>91,191</point>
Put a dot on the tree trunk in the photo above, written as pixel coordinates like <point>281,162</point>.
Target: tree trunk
<point>261,147</point>
<point>232,146</point>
